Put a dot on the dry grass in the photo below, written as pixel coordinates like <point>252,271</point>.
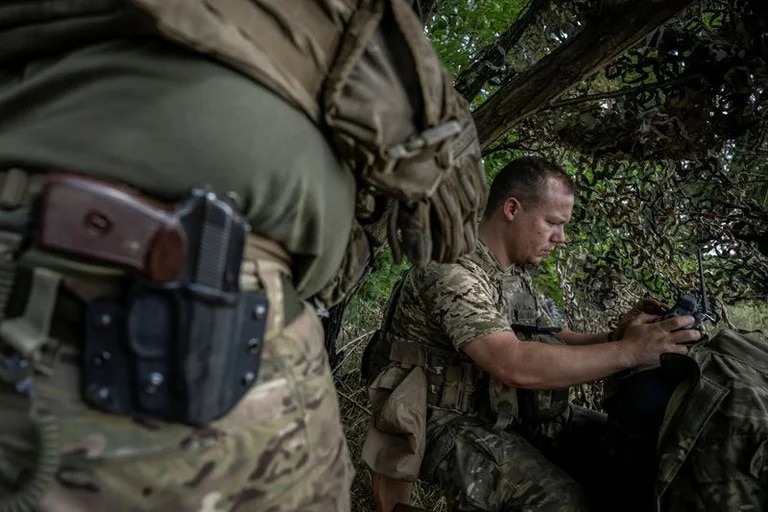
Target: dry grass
<point>361,320</point>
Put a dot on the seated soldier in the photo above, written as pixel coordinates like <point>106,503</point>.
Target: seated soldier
<point>470,387</point>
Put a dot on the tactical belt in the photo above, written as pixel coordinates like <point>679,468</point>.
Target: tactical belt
<point>452,380</point>
<point>179,336</point>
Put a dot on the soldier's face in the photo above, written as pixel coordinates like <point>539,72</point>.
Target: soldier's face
<point>535,229</point>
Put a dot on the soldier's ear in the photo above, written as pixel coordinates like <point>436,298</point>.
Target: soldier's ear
<point>511,207</point>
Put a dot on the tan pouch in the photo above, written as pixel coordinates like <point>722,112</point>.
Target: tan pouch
<point>394,445</point>
<point>398,121</point>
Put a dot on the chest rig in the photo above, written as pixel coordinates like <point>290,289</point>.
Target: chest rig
<point>519,303</point>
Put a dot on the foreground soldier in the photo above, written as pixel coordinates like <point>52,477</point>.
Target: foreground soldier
<point>156,353</point>
<point>450,351</point>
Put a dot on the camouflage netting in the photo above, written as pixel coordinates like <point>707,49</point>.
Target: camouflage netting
<point>668,144</point>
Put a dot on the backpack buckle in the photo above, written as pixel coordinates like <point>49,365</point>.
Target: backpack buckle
<point>428,138</point>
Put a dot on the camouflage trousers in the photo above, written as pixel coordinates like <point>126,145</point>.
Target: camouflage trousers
<point>482,468</point>
<point>280,449</point>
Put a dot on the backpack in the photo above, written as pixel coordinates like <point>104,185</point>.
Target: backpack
<point>364,71</point>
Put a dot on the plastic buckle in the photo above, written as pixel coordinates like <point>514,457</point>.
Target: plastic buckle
<point>427,138</point>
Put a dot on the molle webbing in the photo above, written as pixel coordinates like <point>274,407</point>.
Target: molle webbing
<point>452,379</point>
<point>289,46</point>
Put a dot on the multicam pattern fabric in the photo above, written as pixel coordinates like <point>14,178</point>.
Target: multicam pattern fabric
<point>482,468</point>
<point>714,452</point>
<point>479,465</point>
<point>446,305</point>
<point>281,449</point>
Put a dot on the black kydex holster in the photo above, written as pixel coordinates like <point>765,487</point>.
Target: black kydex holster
<point>186,350</point>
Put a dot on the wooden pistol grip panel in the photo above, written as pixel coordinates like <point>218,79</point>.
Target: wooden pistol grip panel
<point>97,220</point>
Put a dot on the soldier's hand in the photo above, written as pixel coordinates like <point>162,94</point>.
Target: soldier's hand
<point>637,314</point>
<point>646,339</point>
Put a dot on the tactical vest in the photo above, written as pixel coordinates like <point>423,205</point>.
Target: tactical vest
<point>455,382</point>
<point>525,315</point>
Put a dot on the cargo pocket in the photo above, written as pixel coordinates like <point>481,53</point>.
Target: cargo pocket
<point>727,473</point>
<point>394,445</point>
<point>441,444</point>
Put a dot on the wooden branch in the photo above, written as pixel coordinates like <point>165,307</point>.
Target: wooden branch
<point>576,100</point>
<point>502,147</point>
<point>493,57</point>
<point>616,27</point>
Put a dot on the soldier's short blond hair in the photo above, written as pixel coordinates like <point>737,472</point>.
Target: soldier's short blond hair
<point>525,178</point>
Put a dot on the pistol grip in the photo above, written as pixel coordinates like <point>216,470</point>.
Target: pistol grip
<point>97,220</point>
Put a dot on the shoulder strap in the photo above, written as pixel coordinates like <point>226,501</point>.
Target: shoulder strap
<point>394,298</point>
<point>376,356</point>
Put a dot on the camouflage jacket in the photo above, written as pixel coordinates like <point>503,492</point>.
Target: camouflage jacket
<point>415,360</point>
<point>438,308</point>
<point>447,305</point>
<point>714,440</point>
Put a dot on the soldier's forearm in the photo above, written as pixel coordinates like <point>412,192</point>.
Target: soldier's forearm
<point>542,366</point>
<point>583,338</point>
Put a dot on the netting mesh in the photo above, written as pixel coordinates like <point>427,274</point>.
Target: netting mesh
<point>668,146</point>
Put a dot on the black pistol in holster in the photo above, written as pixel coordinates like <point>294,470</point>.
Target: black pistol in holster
<point>184,342</point>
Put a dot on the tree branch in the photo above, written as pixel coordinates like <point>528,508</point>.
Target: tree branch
<point>554,105</point>
<point>425,9</point>
<point>614,29</point>
<point>471,80</point>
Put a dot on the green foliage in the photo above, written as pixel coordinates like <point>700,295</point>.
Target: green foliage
<point>547,280</point>
<point>461,28</point>
<point>366,306</point>
<point>378,284</point>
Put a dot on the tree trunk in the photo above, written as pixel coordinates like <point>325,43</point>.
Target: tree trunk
<point>425,9</point>
<point>616,26</point>
<point>331,330</point>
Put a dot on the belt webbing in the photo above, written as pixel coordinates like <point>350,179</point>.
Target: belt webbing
<point>451,378</point>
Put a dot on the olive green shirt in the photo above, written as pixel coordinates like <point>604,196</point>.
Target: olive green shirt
<point>163,119</point>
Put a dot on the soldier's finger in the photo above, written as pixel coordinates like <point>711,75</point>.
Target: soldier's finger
<point>677,322</point>
<point>648,305</point>
<point>677,349</point>
<point>644,318</point>
<point>686,336</point>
